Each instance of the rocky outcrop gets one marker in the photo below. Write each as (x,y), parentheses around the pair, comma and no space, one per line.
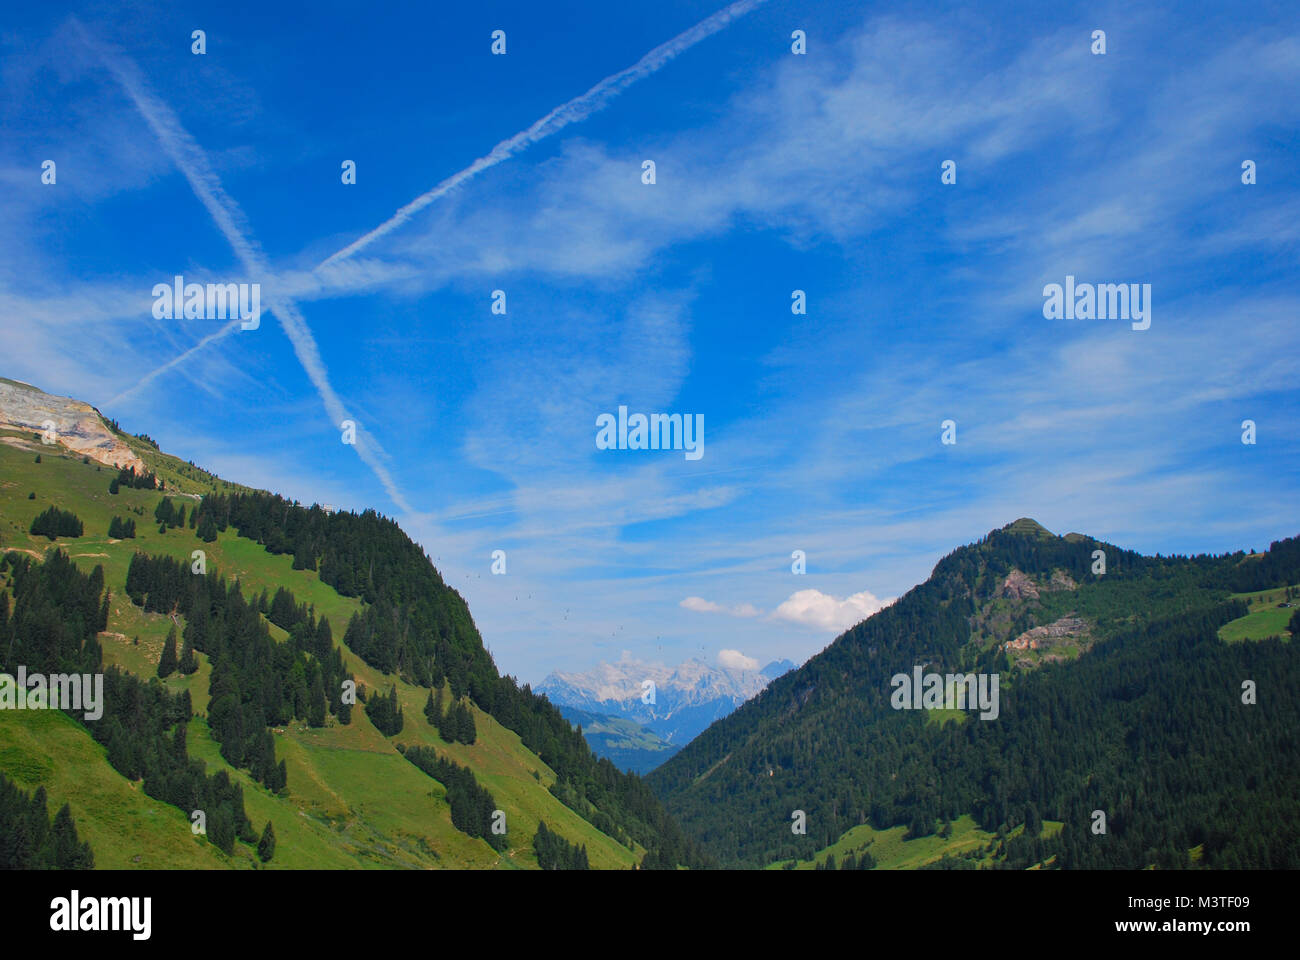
(1018,586)
(1061,581)
(1039,638)
(1021,586)
(76,426)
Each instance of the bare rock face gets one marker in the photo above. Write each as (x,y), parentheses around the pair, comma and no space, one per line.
(1061,581)
(1042,637)
(1018,586)
(76,426)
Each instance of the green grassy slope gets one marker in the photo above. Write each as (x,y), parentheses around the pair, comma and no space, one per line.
(353,800)
(1267,618)
(627,744)
(892,852)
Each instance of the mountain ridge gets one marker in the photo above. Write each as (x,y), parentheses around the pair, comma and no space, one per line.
(351,798)
(686,698)
(824,740)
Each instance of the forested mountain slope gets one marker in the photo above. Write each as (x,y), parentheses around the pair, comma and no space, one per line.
(1117,694)
(227,686)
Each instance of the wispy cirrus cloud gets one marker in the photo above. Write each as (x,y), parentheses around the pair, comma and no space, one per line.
(570,112)
(700,605)
(775,172)
(331,269)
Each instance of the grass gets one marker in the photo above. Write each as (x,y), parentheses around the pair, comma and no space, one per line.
(1266,618)
(892,852)
(353,800)
(125,828)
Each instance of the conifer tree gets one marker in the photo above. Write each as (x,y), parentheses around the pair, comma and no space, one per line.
(168,663)
(189,662)
(316,709)
(466,732)
(266,846)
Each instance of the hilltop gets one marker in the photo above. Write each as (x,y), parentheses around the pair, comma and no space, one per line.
(1122,690)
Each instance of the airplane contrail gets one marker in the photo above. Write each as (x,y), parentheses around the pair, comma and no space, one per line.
(229,328)
(193,163)
(572,111)
(575,110)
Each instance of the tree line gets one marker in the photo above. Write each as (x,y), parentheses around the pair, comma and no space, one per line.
(472,805)
(127,477)
(119,529)
(30,840)
(56,613)
(556,853)
(54,523)
(1148,725)
(417,626)
(256,683)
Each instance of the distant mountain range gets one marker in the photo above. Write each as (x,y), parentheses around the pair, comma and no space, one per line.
(686,699)
(628,745)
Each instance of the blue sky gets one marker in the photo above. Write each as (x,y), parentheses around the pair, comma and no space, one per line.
(774,172)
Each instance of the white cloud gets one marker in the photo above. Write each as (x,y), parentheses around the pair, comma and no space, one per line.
(735,660)
(817,609)
(700,605)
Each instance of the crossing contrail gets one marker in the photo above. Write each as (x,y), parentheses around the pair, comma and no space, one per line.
(193,163)
(150,377)
(573,111)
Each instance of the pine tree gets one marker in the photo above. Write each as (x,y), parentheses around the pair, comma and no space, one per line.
(1033,821)
(466,732)
(168,663)
(447,724)
(316,709)
(221,830)
(266,846)
(189,662)
(69,852)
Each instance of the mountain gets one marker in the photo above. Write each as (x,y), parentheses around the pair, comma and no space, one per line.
(628,745)
(265,663)
(778,668)
(1138,699)
(685,699)
(77,426)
